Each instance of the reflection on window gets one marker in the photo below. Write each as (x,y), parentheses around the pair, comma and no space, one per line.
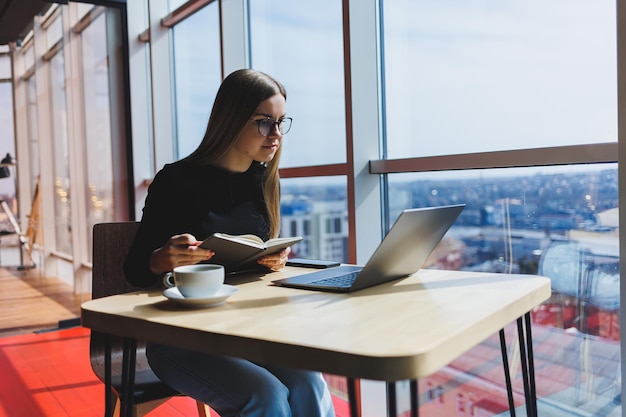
(302,48)
(560,222)
(98,159)
(317,210)
(197,75)
(482,76)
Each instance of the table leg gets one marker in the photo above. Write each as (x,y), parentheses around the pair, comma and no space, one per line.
(531,364)
(527,363)
(507,373)
(128,376)
(525,339)
(108,383)
(524,362)
(415,406)
(392,406)
(352,398)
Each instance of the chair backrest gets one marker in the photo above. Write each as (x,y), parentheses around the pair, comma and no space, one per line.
(111,243)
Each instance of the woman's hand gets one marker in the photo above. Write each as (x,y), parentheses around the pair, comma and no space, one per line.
(179,250)
(275,261)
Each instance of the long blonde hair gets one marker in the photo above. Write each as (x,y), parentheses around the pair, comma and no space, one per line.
(238,97)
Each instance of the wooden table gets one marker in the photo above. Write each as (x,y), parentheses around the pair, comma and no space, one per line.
(403,330)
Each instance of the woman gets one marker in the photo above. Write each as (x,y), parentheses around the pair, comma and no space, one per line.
(228,184)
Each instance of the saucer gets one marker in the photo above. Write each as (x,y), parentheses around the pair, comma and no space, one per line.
(215,300)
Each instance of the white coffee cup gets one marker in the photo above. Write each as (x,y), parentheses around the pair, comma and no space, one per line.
(196,281)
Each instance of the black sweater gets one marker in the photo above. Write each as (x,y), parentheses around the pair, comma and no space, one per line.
(200,200)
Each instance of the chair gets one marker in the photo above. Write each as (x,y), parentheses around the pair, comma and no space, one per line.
(111,242)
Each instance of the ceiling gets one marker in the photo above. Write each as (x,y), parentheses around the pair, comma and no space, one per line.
(16,17)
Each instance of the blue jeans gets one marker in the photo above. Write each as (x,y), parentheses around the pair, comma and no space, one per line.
(237,387)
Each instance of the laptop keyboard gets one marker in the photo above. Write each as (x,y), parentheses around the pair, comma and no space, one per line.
(338,281)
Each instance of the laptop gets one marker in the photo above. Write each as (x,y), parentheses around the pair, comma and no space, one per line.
(413,236)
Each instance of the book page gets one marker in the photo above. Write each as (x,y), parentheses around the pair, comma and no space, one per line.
(282,240)
(244,239)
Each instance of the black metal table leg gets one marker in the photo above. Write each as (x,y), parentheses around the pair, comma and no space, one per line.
(531,364)
(415,406)
(108,380)
(524,363)
(525,340)
(507,373)
(352,399)
(128,376)
(528,365)
(392,405)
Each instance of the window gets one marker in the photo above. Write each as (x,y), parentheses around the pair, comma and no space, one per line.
(302,47)
(29,56)
(502,76)
(33,140)
(54,32)
(7,139)
(62,195)
(197,75)
(486,76)
(99,195)
(5,67)
(7,134)
(560,222)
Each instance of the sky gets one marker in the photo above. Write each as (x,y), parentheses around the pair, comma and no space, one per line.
(460,76)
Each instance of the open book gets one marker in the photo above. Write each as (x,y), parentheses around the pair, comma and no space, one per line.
(236,252)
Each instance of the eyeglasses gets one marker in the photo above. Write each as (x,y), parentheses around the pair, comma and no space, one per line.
(266,126)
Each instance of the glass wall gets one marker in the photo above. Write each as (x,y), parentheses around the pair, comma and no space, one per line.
(560,222)
(313,75)
(489,76)
(492,75)
(197,75)
(7,184)
(71,133)
(33,142)
(314,207)
(61,166)
(99,198)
